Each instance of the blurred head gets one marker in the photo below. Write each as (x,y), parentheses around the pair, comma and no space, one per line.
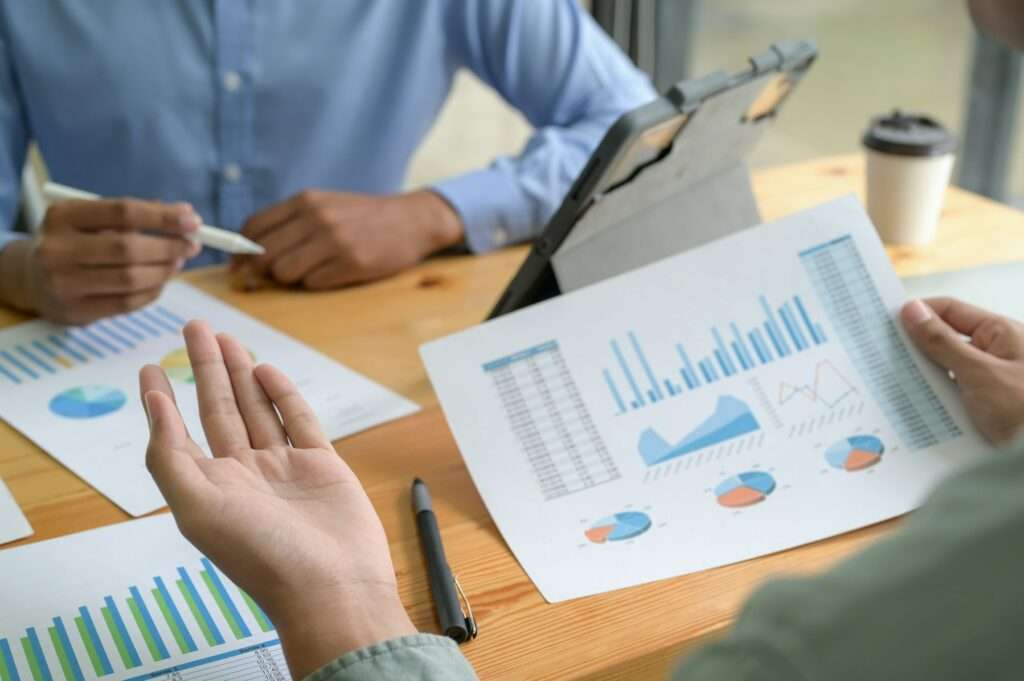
(1001,19)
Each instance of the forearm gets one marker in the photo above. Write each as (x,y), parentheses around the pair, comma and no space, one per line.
(15,282)
(315,633)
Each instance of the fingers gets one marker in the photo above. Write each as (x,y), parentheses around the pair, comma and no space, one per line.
(938,340)
(300,422)
(171,456)
(123,215)
(129,248)
(111,249)
(295,264)
(270,218)
(152,379)
(261,420)
(333,275)
(112,281)
(281,241)
(218,409)
(90,309)
(962,317)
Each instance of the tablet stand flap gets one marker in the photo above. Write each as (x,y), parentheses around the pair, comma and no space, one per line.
(699,192)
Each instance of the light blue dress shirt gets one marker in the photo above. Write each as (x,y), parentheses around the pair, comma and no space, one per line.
(234,105)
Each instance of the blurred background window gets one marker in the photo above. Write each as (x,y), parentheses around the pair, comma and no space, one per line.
(875,55)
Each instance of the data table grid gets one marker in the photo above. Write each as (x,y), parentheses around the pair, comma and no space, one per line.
(261,662)
(870,337)
(551,421)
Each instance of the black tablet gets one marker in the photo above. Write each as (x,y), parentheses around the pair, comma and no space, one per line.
(667,176)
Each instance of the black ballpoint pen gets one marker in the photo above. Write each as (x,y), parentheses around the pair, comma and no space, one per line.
(454,622)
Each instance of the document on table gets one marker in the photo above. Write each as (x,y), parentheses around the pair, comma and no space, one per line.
(13,524)
(143,604)
(745,397)
(74,391)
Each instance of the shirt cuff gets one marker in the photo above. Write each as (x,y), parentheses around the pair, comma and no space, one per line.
(421,656)
(9,236)
(494,210)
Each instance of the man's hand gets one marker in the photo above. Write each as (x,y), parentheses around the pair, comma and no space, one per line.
(325,240)
(276,508)
(94,259)
(988,368)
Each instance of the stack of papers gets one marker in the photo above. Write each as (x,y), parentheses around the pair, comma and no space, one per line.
(745,397)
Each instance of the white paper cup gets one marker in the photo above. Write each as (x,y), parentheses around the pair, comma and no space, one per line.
(909,164)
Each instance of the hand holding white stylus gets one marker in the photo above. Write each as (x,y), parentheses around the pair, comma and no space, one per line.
(214,237)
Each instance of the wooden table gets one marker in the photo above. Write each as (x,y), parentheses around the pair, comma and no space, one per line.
(376,329)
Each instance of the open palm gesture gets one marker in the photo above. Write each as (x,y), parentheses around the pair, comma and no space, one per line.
(275,508)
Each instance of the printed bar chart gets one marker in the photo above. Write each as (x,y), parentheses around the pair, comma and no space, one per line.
(202,616)
(67,348)
(633,383)
(118,632)
(8,672)
(224,602)
(172,616)
(65,653)
(869,336)
(144,621)
(257,612)
(79,651)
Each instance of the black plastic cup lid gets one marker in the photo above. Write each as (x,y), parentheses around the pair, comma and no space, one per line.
(908,134)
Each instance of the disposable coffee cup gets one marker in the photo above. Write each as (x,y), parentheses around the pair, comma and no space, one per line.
(909,163)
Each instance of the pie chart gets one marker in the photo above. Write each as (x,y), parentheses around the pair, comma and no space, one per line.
(619,527)
(855,453)
(177,366)
(745,489)
(87,402)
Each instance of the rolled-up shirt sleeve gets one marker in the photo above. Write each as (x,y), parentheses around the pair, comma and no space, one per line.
(13,136)
(423,657)
(550,60)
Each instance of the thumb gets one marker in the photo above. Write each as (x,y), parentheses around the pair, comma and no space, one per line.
(171,457)
(166,428)
(937,339)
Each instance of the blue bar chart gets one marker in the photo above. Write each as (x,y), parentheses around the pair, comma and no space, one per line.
(784,330)
(62,348)
(129,631)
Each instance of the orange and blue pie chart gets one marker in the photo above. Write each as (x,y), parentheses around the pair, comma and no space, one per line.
(855,453)
(87,402)
(745,489)
(619,527)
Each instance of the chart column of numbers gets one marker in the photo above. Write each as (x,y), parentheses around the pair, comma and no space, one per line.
(553,425)
(869,336)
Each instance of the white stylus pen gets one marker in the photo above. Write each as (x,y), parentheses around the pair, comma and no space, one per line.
(214,237)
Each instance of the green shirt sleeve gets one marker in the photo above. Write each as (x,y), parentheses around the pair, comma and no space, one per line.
(942,598)
(423,657)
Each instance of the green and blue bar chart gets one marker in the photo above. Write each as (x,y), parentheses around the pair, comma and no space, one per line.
(147,624)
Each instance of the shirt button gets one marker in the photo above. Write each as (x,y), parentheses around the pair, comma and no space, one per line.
(232,173)
(232,81)
(499,237)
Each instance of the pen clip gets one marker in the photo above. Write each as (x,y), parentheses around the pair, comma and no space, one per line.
(467,612)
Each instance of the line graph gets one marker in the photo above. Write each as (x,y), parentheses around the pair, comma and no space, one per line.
(829,387)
